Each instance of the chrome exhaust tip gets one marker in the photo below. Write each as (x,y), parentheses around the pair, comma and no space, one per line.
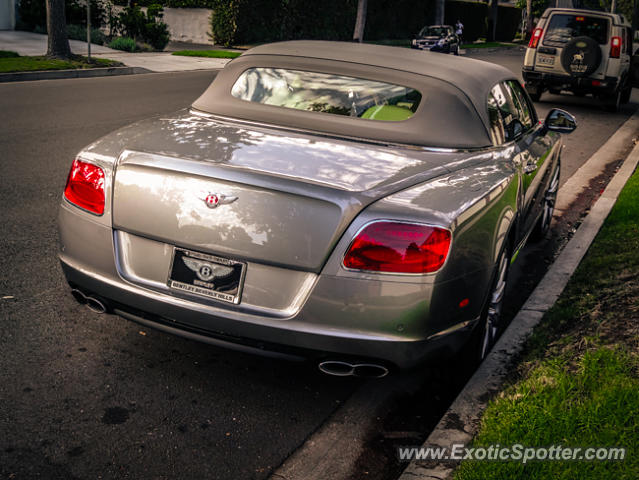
(92,302)
(339,368)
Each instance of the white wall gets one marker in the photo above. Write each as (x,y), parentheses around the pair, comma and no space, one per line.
(190,25)
(7,15)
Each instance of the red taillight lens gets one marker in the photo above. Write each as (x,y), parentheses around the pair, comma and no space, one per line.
(398,248)
(534,39)
(615,47)
(85,186)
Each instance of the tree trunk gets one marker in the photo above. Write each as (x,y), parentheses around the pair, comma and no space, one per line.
(439,12)
(58,42)
(492,32)
(360,22)
(529,19)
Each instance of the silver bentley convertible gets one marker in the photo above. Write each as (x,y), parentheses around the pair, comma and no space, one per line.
(353,204)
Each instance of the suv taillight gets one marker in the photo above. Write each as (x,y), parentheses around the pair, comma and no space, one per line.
(615,47)
(534,39)
(85,187)
(398,247)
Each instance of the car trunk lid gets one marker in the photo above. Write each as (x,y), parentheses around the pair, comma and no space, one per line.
(281,198)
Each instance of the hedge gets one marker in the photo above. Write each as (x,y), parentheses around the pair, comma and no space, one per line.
(253,21)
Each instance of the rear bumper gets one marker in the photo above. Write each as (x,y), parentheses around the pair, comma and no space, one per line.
(535,80)
(433,48)
(151,310)
(401,324)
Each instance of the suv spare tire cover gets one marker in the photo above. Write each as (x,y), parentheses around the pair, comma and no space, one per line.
(581,56)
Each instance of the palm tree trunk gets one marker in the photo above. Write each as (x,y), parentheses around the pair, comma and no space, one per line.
(494,8)
(439,12)
(58,42)
(360,22)
(529,19)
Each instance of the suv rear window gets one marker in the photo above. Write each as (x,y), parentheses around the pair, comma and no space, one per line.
(564,27)
(327,93)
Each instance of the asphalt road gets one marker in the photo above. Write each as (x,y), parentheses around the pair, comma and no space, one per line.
(87,396)
(84,396)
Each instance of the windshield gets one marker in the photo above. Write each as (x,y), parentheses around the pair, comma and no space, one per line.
(564,27)
(327,93)
(433,32)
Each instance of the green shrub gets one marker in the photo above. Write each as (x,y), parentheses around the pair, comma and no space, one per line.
(8,54)
(157,34)
(79,32)
(123,43)
(224,21)
(149,28)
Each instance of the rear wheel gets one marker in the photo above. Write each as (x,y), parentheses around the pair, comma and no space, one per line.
(550,197)
(612,101)
(492,322)
(626,92)
(490,325)
(535,96)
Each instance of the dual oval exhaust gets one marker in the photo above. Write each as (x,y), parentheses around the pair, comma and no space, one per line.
(340,368)
(92,302)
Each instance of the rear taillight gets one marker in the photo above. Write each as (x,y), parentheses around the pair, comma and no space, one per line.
(536,36)
(615,47)
(85,187)
(398,247)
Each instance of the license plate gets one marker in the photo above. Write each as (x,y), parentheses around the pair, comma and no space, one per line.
(545,60)
(206,275)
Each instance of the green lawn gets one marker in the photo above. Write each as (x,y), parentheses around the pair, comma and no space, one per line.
(578,383)
(13,63)
(208,53)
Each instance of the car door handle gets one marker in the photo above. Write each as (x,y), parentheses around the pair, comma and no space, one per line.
(530,167)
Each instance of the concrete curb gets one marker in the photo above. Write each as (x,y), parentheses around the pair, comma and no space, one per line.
(461,422)
(333,450)
(80,73)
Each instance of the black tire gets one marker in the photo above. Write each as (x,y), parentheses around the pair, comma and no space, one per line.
(612,102)
(491,323)
(626,92)
(550,197)
(581,56)
(535,97)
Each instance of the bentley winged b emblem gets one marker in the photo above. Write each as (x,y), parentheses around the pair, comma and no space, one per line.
(212,200)
(206,271)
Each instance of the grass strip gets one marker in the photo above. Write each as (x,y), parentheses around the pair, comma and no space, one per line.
(31,64)
(208,53)
(578,383)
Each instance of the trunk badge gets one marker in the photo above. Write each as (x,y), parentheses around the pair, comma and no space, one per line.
(212,200)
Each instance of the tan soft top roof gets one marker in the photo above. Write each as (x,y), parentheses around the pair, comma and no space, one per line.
(452,113)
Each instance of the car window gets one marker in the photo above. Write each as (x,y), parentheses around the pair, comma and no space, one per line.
(517,114)
(527,113)
(327,93)
(497,134)
(432,32)
(564,27)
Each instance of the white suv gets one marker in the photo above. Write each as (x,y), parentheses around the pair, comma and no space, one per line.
(582,51)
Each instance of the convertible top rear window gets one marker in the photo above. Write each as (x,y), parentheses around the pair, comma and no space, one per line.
(327,93)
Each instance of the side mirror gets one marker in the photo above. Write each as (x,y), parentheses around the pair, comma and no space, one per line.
(560,121)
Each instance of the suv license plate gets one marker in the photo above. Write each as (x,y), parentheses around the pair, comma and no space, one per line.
(206,275)
(545,60)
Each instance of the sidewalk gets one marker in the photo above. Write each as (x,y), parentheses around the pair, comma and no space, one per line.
(31,44)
